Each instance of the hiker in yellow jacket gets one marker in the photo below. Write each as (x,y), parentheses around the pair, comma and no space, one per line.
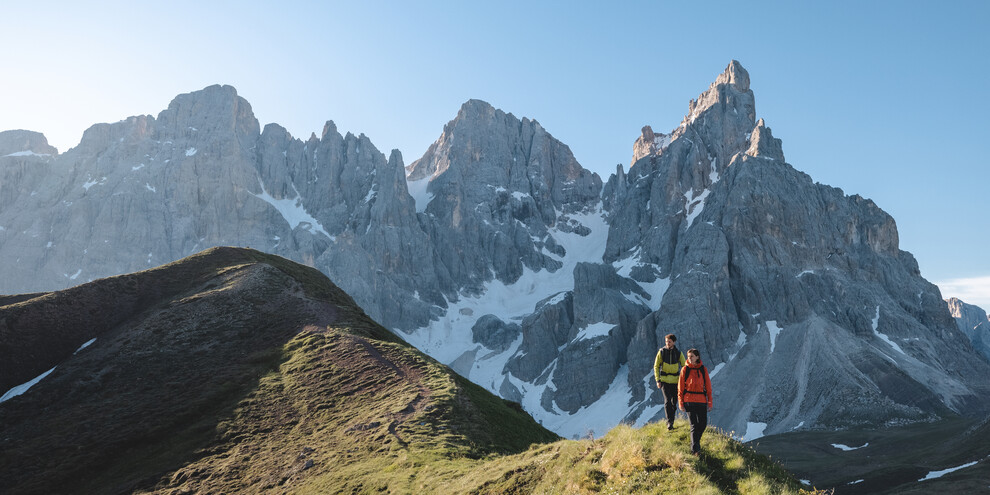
(667,369)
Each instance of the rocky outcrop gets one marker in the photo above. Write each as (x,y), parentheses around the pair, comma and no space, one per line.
(973,322)
(762,143)
(25,143)
(649,143)
(494,333)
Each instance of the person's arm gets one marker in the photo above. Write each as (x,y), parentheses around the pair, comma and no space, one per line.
(656,368)
(708,389)
(680,390)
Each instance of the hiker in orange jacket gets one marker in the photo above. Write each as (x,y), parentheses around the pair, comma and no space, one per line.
(694,396)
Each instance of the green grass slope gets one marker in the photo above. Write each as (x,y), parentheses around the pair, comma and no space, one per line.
(233,371)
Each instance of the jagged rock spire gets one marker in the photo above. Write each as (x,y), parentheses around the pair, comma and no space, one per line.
(762,143)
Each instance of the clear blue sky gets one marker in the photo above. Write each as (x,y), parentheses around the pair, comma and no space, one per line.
(886,99)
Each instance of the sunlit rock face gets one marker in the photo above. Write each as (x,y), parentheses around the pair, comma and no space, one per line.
(497,253)
(972,321)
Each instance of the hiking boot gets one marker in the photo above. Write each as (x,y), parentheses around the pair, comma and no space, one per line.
(670,427)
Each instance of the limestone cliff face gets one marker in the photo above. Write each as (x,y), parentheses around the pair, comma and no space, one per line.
(495,186)
(498,254)
(146,191)
(973,322)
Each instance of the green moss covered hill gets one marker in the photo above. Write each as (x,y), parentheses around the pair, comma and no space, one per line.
(234,371)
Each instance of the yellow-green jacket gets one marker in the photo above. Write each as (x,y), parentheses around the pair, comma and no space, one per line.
(668,371)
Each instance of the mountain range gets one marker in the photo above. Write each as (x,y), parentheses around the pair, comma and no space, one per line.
(498,254)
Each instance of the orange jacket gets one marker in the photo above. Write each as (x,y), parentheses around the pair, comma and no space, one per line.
(694,385)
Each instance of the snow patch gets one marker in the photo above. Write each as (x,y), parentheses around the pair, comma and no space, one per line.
(624,266)
(754,431)
(876,322)
(20,389)
(90,183)
(556,299)
(695,205)
(595,419)
(774,332)
(661,141)
(139,167)
(938,474)
(191,151)
(87,344)
(28,153)
(655,289)
(419,193)
(74,275)
(292,211)
(715,370)
(698,202)
(740,343)
(594,330)
(848,448)
(805,273)
(150,187)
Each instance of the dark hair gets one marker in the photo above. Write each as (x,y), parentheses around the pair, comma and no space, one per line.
(695,352)
(671,336)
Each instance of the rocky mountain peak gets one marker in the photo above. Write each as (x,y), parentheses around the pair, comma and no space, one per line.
(735,75)
(328,129)
(465,140)
(730,94)
(21,143)
(212,110)
(500,151)
(474,108)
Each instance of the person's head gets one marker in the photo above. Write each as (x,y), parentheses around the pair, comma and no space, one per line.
(693,356)
(670,339)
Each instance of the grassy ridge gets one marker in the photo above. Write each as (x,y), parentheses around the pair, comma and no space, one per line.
(348,414)
(629,460)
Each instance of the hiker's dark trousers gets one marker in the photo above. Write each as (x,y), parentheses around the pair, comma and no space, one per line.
(669,400)
(698,417)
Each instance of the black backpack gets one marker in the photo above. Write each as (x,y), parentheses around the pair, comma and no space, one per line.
(670,356)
